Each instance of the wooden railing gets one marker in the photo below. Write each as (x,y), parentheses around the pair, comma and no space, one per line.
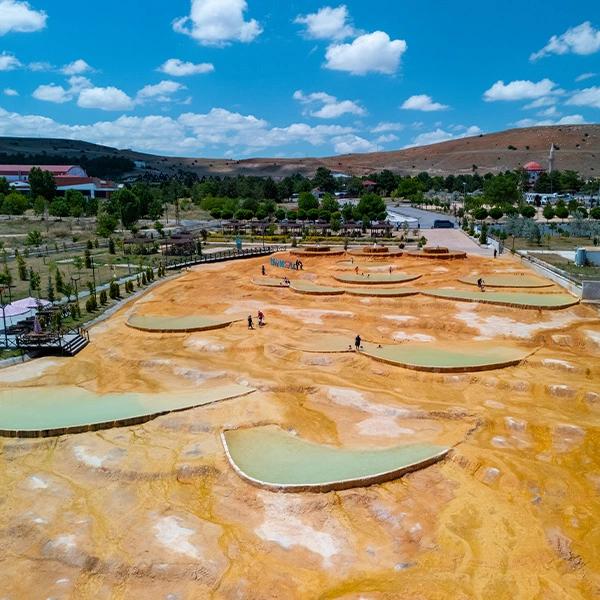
(198,259)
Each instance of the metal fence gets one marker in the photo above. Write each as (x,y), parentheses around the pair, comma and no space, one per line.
(198,259)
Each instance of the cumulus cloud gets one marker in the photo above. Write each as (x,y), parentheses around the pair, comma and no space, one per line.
(178,68)
(77,67)
(440,135)
(10,92)
(330,106)
(218,22)
(105,98)
(385,126)
(567,120)
(387,138)
(188,133)
(327,23)
(369,53)
(9,62)
(352,144)
(19,17)
(52,93)
(583,40)
(587,97)
(160,92)
(520,90)
(423,102)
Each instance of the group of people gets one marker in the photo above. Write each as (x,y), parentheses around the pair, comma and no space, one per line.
(481,284)
(261,320)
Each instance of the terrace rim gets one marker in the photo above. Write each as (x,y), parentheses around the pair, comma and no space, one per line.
(330,486)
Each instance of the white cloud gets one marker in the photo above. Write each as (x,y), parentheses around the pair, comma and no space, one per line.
(387,138)
(9,62)
(10,92)
(520,90)
(385,126)
(568,120)
(52,93)
(440,135)
(161,92)
(40,66)
(331,107)
(351,144)
(327,23)
(20,17)
(549,112)
(58,94)
(368,53)
(587,97)
(178,68)
(542,102)
(105,98)
(423,102)
(190,133)
(218,22)
(585,76)
(77,67)
(583,40)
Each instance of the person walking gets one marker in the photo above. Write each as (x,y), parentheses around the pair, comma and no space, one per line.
(481,284)
(264,271)
(250,322)
(357,343)
(261,318)
(495,253)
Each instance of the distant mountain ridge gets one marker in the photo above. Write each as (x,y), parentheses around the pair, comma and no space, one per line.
(578,148)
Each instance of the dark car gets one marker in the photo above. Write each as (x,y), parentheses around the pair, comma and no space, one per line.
(443,224)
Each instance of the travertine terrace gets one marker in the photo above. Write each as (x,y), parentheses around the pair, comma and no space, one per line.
(155,510)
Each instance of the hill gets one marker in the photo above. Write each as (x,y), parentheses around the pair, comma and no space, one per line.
(578,148)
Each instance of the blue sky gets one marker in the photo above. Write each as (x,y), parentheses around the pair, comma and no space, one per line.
(240,78)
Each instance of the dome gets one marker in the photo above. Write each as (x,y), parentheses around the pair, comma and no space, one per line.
(533,166)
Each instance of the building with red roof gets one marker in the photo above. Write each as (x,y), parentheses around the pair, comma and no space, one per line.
(533,170)
(66,177)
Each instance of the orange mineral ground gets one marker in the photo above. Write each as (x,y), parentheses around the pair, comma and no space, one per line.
(155,510)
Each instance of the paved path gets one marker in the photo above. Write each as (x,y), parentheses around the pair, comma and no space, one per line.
(455,239)
(424,217)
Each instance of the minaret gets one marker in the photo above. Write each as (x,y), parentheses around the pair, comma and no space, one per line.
(551,160)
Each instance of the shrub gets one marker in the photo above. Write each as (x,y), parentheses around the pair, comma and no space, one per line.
(91,304)
(113,291)
(103,297)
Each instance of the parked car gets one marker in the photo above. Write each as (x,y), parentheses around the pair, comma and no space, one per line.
(443,224)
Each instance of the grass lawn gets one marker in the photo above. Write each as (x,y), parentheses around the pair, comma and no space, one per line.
(580,273)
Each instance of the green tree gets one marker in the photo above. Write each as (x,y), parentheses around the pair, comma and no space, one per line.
(14,204)
(371,206)
(528,212)
(88,259)
(561,211)
(595,213)
(501,189)
(22,268)
(548,212)
(34,280)
(39,206)
(129,207)
(111,246)
(59,282)
(42,183)
(324,180)
(50,290)
(4,186)
(106,223)
(59,208)
(75,200)
(307,201)
(34,238)
(496,213)
(480,214)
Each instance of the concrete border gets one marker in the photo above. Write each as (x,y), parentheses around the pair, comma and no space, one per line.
(330,486)
(126,422)
(150,329)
